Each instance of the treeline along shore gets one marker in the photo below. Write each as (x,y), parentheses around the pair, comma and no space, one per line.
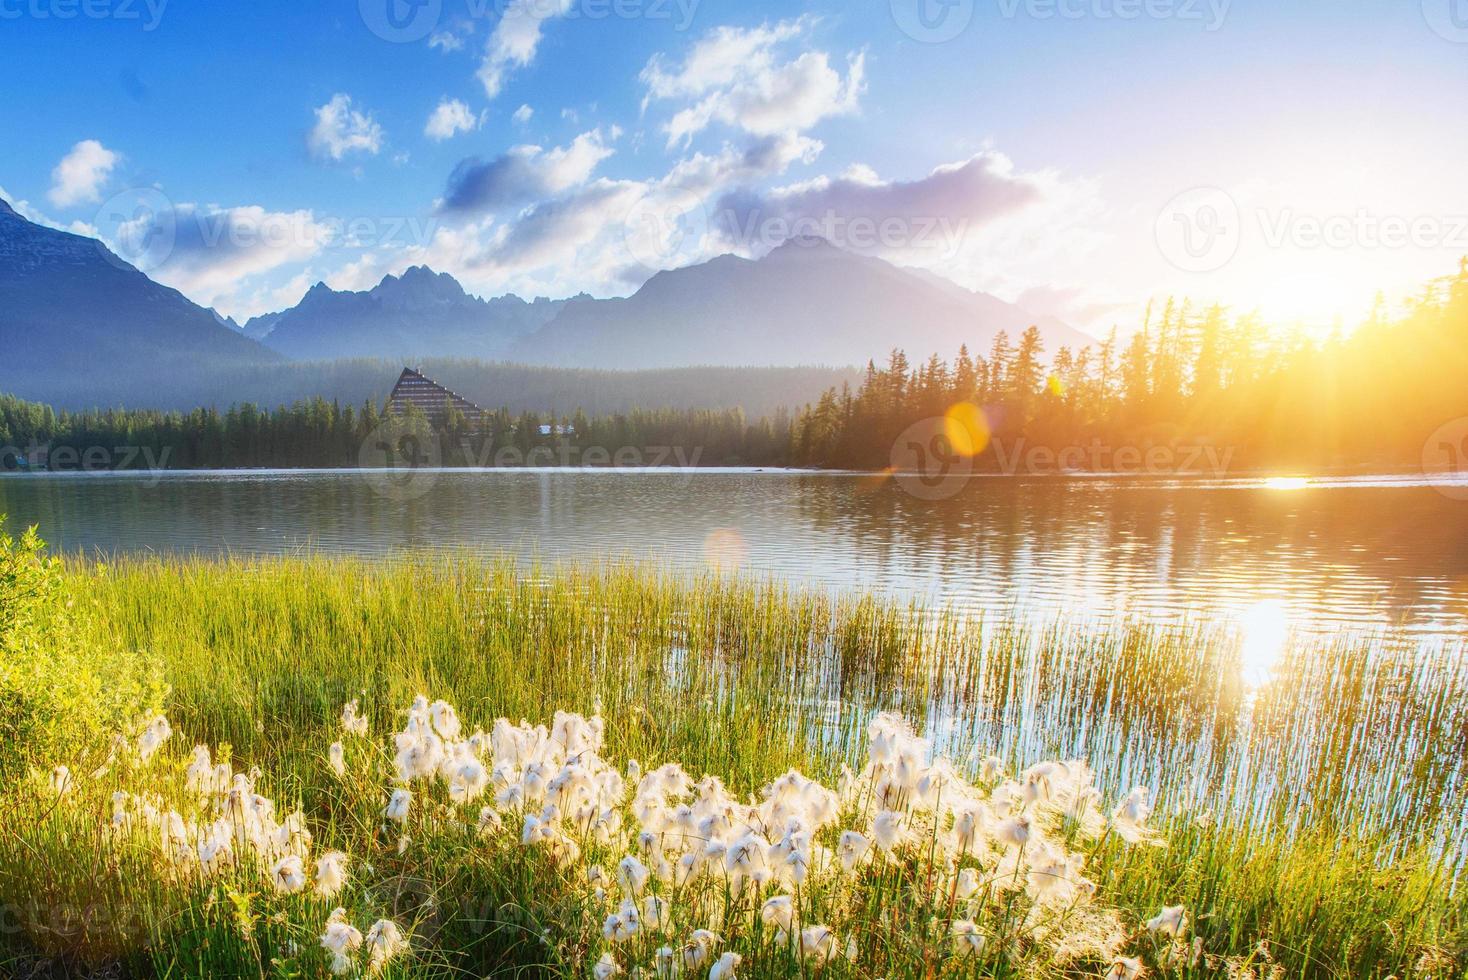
(1193,390)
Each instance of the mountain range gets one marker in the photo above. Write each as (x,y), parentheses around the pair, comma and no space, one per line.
(71,309)
(75,317)
(418,314)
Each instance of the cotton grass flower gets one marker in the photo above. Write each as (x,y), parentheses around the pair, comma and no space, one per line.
(967,939)
(779,912)
(336,757)
(852,848)
(398,805)
(605,967)
(725,967)
(331,874)
(1131,814)
(699,950)
(342,940)
(818,945)
(1125,968)
(384,942)
(154,735)
(62,781)
(288,875)
(1171,921)
(352,722)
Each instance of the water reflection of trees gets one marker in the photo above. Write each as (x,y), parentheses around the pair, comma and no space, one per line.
(1339,553)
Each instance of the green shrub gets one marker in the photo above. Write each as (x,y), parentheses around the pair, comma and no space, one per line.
(65,687)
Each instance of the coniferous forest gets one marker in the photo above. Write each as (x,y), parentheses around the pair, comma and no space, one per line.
(1259,396)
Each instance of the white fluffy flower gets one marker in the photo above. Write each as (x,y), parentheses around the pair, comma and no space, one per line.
(605,967)
(352,722)
(62,781)
(331,873)
(1171,921)
(288,874)
(336,757)
(384,941)
(153,737)
(397,806)
(725,967)
(340,935)
(817,945)
(967,940)
(1124,968)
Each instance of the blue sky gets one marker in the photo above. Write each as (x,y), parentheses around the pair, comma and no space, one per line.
(1079,155)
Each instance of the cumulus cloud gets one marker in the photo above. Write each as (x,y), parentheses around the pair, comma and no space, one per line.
(522,115)
(451,117)
(80,175)
(35,216)
(341,130)
(743,78)
(893,218)
(515,38)
(523,175)
(212,250)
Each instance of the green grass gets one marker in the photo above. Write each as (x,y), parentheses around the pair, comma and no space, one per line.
(1321,814)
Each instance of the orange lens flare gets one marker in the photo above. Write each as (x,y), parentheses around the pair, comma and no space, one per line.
(967,429)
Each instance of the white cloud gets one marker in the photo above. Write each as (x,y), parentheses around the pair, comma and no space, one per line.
(214,252)
(515,39)
(451,117)
(522,115)
(341,130)
(741,78)
(79,177)
(522,175)
(445,41)
(25,210)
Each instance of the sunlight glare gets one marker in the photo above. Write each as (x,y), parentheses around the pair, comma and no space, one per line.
(1264,629)
(1286,483)
(967,429)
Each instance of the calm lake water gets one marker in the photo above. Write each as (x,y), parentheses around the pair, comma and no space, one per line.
(1349,555)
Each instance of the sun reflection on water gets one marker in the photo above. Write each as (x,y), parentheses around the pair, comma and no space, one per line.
(1264,631)
(1286,483)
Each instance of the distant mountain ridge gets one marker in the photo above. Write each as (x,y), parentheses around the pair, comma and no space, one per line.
(71,310)
(421,313)
(806,303)
(80,326)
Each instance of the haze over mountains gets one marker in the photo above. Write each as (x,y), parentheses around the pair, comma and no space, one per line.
(78,325)
(70,310)
(418,314)
(807,302)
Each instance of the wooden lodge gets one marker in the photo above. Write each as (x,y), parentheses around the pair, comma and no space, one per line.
(431,398)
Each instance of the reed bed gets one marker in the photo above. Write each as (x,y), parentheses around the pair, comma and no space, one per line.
(1312,825)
